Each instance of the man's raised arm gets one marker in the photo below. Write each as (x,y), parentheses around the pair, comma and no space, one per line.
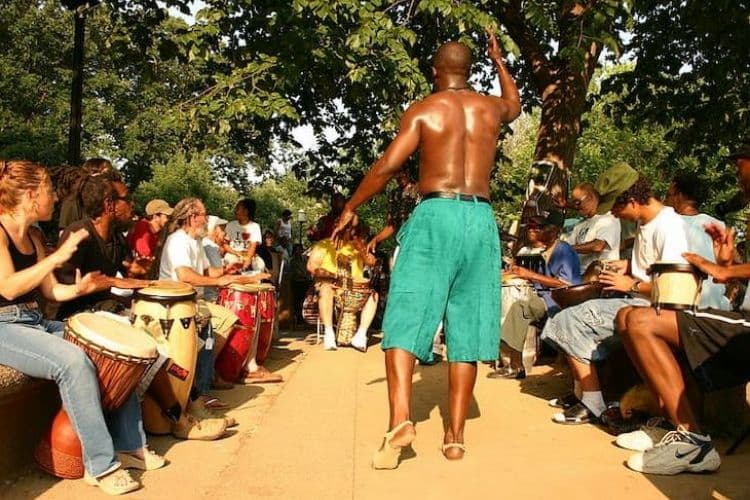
(510,99)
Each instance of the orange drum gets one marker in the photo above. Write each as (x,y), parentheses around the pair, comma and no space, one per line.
(242,300)
(121,355)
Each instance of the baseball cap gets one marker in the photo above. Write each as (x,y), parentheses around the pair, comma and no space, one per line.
(154,207)
(553,218)
(214,221)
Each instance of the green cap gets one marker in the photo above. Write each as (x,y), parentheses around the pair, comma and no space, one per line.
(612,183)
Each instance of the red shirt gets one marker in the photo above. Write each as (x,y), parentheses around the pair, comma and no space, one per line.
(142,240)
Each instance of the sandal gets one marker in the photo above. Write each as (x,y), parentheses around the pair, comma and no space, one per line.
(115,483)
(575,415)
(387,456)
(212,403)
(150,460)
(448,446)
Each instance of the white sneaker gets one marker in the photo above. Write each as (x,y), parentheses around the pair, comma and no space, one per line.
(646,437)
(329,343)
(679,451)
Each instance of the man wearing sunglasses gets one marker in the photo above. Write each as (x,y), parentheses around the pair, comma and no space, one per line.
(597,236)
(108,208)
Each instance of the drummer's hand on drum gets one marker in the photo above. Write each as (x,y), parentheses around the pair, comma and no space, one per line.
(68,247)
(519,271)
(617,266)
(717,272)
(723,240)
(92,282)
(616,281)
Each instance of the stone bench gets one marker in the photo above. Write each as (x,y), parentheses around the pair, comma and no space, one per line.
(26,409)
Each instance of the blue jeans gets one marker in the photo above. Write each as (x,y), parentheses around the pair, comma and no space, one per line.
(27,346)
(204,366)
(587,331)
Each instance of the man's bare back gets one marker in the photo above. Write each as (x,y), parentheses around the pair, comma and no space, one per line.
(458,138)
(456,132)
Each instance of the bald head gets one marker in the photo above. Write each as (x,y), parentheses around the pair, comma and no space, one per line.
(453,57)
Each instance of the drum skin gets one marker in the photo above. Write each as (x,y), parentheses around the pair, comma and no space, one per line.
(168,314)
(59,451)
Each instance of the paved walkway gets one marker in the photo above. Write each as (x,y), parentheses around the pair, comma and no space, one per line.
(312,438)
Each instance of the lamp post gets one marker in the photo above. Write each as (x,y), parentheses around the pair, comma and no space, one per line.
(79,8)
(301,219)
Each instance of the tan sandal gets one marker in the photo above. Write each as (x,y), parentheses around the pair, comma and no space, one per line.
(150,460)
(387,456)
(115,483)
(448,446)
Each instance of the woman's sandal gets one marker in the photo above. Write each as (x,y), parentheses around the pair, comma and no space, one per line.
(448,446)
(387,456)
(115,483)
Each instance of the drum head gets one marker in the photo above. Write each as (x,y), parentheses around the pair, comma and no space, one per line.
(172,291)
(113,335)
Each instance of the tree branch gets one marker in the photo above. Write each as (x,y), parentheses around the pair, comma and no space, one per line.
(520,32)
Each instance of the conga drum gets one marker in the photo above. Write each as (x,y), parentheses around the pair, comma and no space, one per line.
(167,311)
(267,321)
(353,296)
(121,355)
(242,300)
(675,286)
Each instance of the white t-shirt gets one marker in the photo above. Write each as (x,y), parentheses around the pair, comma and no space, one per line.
(701,243)
(182,250)
(240,236)
(285,229)
(604,227)
(663,239)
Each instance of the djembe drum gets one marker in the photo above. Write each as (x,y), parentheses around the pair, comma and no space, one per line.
(675,286)
(121,355)
(352,296)
(243,301)
(167,311)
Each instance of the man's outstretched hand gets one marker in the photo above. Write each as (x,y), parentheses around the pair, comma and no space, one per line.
(493,48)
(345,219)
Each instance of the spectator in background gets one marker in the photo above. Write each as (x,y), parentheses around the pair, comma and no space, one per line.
(144,237)
(213,244)
(685,195)
(284,231)
(597,236)
(323,228)
(243,235)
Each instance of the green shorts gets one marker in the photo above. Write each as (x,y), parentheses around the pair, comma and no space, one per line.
(448,268)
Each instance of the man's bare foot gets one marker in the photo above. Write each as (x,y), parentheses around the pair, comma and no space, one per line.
(453,448)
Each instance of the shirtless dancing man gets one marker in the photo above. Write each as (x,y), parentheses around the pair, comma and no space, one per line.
(448,266)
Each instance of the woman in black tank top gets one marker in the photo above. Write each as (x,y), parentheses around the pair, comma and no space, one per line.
(27,196)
